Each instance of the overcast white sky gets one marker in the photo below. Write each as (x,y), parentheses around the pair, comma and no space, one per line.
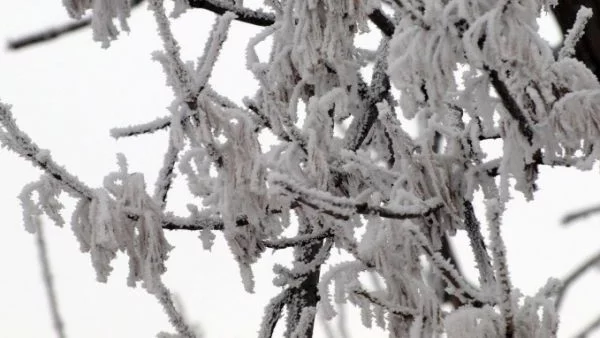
(67,95)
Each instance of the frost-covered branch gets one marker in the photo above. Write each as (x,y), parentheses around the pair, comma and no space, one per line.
(175,318)
(591,327)
(16,140)
(282,243)
(220,7)
(273,312)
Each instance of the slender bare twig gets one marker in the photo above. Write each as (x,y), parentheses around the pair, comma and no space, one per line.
(402,311)
(589,329)
(577,215)
(573,276)
(49,282)
(19,142)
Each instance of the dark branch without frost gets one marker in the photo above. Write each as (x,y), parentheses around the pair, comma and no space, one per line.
(573,276)
(48,34)
(52,33)
(577,215)
(49,282)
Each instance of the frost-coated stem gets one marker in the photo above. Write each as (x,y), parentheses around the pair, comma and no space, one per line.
(166,175)
(494,214)
(482,257)
(273,313)
(19,142)
(175,318)
(48,281)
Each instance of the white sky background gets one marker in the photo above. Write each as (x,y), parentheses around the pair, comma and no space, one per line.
(67,94)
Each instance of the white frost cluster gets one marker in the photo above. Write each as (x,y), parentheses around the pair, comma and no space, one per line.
(103,14)
(122,217)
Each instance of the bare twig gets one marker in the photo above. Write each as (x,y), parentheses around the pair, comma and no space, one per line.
(49,282)
(52,33)
(48,34)
(577,215)
(589,329)
(573,276)
(19,142)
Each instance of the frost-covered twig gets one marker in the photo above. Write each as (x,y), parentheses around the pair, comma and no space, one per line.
(510,104)
(48,281)
(258,18)
(343,208)
(482,257)
(166,174)
(575,33)
(19,142)
(273,313)
(48,34)
(574,276)
(461,287)
(282,243)
(402,311)
(494,210)
(370,95)
(175,318)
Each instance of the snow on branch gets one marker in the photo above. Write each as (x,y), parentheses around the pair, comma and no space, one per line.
(343,208)
(16,140)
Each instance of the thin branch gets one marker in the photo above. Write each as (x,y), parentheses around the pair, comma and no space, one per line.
(482,257)
(283,243)
(589,329)
(48,281)
(343,208)
(19,142)
(52,33)
(175,318)
(573,276)
(402,311)
(462,289)
(577,215)
(166,175)
(273,313)
(258,17)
